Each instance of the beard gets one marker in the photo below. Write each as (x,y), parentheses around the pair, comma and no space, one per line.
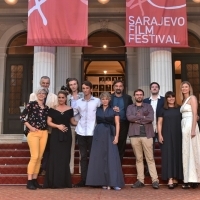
(139,100)
(118,91)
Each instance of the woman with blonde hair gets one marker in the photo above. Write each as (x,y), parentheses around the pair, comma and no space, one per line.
(104,165)
(190,137)
(34,118)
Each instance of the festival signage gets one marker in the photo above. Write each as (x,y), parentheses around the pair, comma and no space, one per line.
(156,23)
(57,23)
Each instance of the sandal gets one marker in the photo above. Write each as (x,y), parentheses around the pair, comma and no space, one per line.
(171,186)
(186,186)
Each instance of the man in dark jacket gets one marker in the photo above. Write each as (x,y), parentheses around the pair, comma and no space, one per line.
(120,102)
(157,102)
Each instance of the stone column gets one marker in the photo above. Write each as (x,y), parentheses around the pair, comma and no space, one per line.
(44,65)
(161,68)
(144,70)
(76,64)
(131,71)
(63,66)
(2,82)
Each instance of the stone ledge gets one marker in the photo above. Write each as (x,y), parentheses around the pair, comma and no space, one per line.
(11,138)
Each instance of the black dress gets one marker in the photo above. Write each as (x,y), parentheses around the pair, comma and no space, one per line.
(58,170)
(104,165)
(171,149)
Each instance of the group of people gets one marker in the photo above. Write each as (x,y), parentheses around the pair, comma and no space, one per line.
(101,125)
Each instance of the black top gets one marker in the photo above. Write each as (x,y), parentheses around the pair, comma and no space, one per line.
(35,116)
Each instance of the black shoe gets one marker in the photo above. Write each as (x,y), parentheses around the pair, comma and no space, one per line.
(186,186)
(175,184)
(155,185)
(137,184)
(30,185)
(171,186)
(194,185)
(80,184)
(36,184)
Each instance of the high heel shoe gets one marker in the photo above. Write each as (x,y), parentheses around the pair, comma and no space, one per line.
(186,186)
(171,186)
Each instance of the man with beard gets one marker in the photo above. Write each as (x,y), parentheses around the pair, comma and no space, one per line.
(141,133)
(120,102)
(157,102)
(74,95)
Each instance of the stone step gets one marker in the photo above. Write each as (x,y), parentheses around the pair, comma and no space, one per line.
(22,169)
(25,160)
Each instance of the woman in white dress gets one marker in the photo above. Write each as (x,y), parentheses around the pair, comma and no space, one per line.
(190,137)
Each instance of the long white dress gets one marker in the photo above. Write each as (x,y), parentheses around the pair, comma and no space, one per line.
(190,146)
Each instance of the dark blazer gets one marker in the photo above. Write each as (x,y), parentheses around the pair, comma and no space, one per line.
(127,100)
(160,104)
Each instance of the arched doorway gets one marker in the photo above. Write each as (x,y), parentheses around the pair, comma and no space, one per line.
(186,65)
(18,82)
(104,61)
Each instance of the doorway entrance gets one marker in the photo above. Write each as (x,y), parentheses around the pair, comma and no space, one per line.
(104,62)
(186,66)
(18,83)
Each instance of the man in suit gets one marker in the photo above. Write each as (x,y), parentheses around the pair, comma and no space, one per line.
(157,102)
(51,101)
(120,102)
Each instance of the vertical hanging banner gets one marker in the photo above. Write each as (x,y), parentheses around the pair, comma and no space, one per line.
(57,23)
(156,23)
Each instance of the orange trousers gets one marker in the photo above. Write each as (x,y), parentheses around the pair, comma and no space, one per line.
(37,142)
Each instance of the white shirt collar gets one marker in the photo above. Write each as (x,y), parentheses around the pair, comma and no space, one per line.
(154,99)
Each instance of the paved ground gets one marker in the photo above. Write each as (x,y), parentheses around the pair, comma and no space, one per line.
(146,193)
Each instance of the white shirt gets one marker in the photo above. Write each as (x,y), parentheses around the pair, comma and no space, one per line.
(87,110)
(154,103)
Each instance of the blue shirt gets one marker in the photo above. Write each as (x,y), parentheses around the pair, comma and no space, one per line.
(119,102)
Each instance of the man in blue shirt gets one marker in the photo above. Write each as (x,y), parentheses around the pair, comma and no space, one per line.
(120,102)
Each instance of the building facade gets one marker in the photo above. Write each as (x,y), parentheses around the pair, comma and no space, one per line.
(108,59)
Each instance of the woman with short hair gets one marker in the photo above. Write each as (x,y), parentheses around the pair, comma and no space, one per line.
(34,118)
(104,165)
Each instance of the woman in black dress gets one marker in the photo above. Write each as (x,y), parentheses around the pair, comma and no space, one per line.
(170,137)
(58,170)
(104,165)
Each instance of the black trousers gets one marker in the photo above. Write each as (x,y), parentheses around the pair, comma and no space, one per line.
(46,153)
(84,144)
(124,126)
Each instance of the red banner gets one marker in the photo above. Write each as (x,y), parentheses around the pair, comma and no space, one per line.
(57,23)
(156,23)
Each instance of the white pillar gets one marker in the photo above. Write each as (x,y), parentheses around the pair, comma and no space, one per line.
(2,82)
(161,68)
(76,64)
(144,70)
(63,66)
(131,71)
(44,65)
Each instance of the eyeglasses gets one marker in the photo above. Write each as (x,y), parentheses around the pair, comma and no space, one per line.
(42,93)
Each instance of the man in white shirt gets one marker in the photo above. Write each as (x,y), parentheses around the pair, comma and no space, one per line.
(51,101)
(86,107)
(157,102)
